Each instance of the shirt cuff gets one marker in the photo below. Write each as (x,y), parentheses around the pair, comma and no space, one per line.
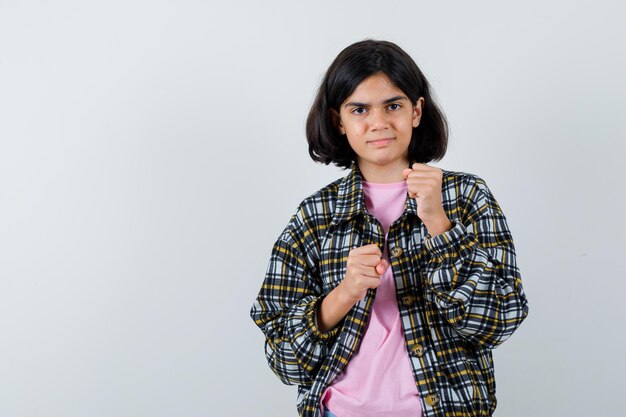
(451,242)
(311,315)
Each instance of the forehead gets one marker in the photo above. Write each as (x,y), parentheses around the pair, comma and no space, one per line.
(377,87)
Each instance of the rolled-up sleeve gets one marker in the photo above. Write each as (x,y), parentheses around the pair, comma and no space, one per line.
(474,280)
(285,310)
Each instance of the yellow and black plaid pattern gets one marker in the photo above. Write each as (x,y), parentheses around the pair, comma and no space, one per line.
(459,293)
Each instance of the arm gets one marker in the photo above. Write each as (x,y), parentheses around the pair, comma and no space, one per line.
(474,281)
(285,310)
(333,309)
(364,268)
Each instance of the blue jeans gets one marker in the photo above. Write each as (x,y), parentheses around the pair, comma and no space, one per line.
(329,414)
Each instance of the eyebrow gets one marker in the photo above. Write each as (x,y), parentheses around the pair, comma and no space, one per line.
(389,100)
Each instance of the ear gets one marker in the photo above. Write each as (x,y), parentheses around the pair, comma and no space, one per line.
(417,111)
(337,121)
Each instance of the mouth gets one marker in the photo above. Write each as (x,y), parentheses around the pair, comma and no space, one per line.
(380,142)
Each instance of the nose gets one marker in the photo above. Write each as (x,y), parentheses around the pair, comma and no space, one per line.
(378,119)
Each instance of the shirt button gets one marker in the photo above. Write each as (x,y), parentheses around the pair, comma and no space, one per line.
(417,350)
(407,300)
(432,399)
(396,251)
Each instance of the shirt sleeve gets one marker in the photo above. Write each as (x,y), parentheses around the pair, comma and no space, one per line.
(285,310)
(475,281)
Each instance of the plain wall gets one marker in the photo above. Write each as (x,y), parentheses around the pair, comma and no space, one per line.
(152,151)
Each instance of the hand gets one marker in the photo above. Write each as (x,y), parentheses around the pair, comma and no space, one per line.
(424,185)
(364,268)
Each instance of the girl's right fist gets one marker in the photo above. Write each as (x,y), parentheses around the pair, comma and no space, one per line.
(364,268)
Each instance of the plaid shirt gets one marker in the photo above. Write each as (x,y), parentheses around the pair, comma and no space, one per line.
(459,293)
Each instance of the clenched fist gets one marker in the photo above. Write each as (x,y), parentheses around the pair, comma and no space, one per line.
(364,268)
(424,185)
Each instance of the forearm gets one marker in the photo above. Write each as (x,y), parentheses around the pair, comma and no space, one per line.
(485,302)
(333,309)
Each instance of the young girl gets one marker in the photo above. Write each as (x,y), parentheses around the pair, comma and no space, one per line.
(388,288)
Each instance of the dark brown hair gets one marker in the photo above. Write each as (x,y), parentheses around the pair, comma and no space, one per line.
(355,63)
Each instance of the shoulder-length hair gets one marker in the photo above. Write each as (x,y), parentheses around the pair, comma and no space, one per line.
(355,63)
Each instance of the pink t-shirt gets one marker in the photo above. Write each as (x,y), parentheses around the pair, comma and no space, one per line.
(378,380)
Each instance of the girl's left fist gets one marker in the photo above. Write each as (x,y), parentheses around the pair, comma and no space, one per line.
(424,185)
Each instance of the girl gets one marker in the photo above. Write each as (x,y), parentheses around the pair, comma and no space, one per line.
(388,288)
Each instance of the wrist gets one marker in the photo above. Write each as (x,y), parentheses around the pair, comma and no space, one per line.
(343,297)
(333,309)
(438,226)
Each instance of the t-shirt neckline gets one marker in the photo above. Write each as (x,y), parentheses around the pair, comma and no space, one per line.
(388,185)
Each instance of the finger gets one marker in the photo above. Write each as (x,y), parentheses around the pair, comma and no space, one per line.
(420,186)
(406,172)
(433,175)
(422,179)
(371,249)
(367,260)
(420,167)
(384,263)
(366,271)
(363,260)
(382,267)
(416,176)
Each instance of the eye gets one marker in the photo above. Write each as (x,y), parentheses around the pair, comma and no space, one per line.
(394,106)
(358,110)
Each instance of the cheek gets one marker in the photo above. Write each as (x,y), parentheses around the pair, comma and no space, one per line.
(407,125)
(353,142)
(354,130)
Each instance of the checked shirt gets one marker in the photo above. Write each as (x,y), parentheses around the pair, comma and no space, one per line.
(459,293)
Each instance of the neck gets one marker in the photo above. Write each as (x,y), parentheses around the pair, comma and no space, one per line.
(387,173)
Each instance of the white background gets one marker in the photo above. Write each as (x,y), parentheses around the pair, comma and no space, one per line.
(152,151)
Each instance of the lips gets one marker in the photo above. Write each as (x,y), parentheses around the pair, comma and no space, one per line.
(382,141)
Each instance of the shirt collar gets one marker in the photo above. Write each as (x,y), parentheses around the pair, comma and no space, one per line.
(351,198)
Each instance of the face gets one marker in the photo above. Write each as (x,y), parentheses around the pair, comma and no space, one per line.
(378,121)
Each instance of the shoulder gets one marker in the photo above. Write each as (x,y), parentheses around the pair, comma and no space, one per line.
(460,177)
(320,199)
(469,193)
(463,182)
(313,213)
(465,190)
